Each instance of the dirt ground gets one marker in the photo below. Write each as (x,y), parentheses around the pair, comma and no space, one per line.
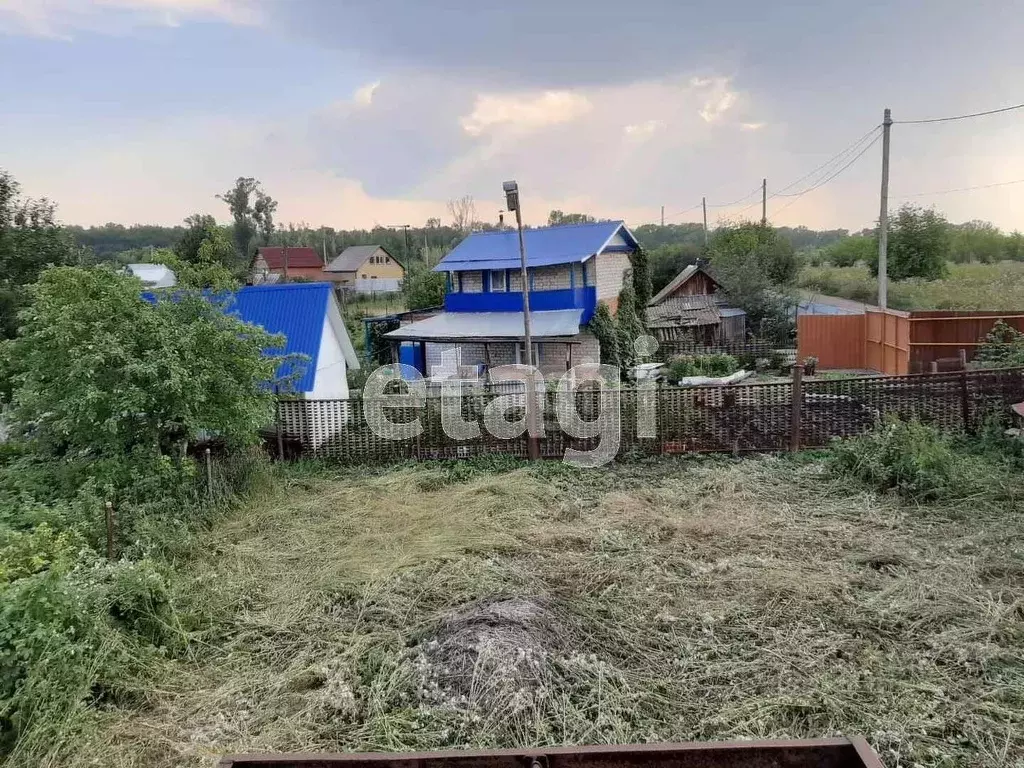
(445,606)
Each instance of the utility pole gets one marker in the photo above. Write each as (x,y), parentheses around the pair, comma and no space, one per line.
(704,204)
(512,203)
(883,216)
(284,259)
(663,215)
(764,202)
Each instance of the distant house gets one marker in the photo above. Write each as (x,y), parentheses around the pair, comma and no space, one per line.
(308,316)
(366,269)
(153,275)
(570,269)
(274,265)
(694,308)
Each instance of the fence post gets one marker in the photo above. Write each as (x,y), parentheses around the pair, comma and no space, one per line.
(209,475)
(280,436)
(963,359)
(934,368)
(965,402)
(109,512)
(798,399)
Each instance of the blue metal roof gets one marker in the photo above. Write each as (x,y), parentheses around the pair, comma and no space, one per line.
(545,246)
(295,310)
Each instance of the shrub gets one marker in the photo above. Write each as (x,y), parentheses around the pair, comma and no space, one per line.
(715,365)
(1003,347)
(911,459)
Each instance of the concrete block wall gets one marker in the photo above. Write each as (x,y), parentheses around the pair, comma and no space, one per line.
(611,272)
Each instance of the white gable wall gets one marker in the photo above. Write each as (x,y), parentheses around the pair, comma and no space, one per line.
(331,382)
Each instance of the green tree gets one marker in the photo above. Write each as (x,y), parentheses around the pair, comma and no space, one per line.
(243,199)
(198,228)
(263,211)
(603,326)
(667,261)
(423,288)
(100,372)
(629,325)
(847,251)
(31,239)
(977,241)
(556,218)
(919,244)
(757,268)
(640,264)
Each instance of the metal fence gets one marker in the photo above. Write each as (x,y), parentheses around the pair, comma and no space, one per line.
(741,418)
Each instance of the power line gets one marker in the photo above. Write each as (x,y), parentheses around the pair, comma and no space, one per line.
(827,163)
(691,208)
(963,189)
(735,202)
(960,117)
(834,175)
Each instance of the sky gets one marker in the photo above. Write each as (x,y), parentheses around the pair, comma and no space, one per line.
(355,113)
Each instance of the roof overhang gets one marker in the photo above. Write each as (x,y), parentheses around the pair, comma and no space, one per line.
(490,326)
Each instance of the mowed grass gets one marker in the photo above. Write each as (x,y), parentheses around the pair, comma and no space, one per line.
(443,607)
(967,286)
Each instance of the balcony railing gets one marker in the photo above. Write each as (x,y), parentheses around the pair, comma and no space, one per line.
(540,301)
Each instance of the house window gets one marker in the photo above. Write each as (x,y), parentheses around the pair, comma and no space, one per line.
(364,275)
(499,280)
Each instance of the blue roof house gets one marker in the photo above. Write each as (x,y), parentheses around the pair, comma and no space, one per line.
(308,316)
(570,269)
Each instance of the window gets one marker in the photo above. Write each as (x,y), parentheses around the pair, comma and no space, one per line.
(499,280)
(364,275)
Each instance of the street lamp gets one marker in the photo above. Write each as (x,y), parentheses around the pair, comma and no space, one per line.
(511,189)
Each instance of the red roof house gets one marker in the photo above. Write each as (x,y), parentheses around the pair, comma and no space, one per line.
(299,261)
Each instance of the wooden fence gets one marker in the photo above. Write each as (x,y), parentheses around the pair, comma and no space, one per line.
(897,343)
(752,348)
(875,340)
(751,418)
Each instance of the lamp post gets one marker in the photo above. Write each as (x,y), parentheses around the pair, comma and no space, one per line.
(512,203)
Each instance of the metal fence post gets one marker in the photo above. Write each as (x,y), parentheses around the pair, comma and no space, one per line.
(109,512)
(798,400)
(965,402)
(209,475)
(280,436)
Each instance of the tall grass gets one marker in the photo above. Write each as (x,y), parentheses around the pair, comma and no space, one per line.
(967,286)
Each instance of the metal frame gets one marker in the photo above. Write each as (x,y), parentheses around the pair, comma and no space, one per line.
(816,753)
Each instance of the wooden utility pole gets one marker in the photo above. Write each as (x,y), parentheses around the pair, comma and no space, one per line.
(663,215)
(284,260)
(764,202)
(704,205)
(883,216)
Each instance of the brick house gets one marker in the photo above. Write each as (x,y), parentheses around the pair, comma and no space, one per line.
(282,264)
(570,269)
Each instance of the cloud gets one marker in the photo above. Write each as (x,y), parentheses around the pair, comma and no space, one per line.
(524,112)
(644,130)
(364,95)
(720,99)
(61,18)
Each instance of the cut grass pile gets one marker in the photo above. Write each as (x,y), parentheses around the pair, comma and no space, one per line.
(437,606)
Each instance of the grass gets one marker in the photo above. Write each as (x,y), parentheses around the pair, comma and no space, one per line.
(968,286)
(447,606)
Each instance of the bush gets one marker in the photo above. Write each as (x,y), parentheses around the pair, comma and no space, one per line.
(1003,347)
(716,365)
(911,459)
